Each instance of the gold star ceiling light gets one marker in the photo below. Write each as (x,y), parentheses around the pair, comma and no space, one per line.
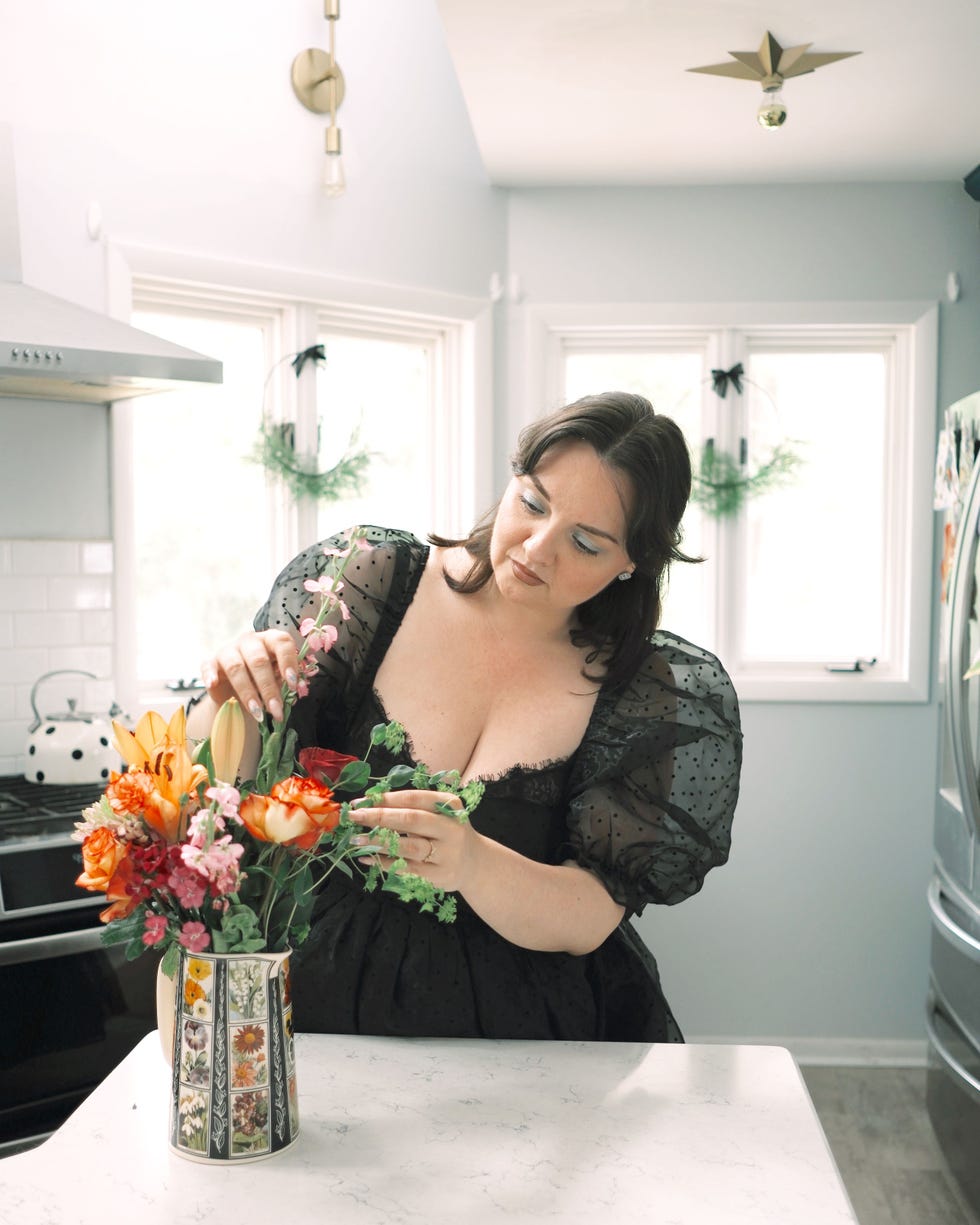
(770,66)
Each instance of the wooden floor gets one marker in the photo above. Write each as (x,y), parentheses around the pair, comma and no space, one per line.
(876,1122)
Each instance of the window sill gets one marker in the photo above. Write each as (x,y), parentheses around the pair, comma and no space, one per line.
(813,687)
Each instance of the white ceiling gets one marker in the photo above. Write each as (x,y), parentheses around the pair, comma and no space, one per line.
(580,92)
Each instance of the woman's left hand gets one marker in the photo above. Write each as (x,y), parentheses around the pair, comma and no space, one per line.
(434,845)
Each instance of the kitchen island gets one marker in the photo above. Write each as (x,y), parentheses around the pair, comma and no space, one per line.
(404,1131)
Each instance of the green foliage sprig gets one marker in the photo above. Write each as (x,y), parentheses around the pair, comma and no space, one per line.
(274,450)
(721,485)
(356,776)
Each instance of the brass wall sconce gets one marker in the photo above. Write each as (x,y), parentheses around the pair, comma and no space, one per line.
(770,66)
(319,84)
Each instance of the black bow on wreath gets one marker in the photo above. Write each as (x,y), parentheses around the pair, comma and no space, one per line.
(315,353)
(721,378)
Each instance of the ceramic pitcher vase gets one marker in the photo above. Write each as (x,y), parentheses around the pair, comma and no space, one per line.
(233,1064)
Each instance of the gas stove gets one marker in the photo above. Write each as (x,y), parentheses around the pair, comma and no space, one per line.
(71,1007)
(33,810)
(39,858)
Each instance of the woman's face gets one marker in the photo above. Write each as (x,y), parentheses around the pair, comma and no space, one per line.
(559,535)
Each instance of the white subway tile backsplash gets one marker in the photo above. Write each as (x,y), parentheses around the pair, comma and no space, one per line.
(19,666)
(23,594)
(100,697)
(55,614)
(12,738)
(97,627)
(96,557)
(47,629)
(97,660)
(84,591)
(44,557)
(22,701)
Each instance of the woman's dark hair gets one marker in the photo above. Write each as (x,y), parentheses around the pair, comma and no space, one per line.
(650,451)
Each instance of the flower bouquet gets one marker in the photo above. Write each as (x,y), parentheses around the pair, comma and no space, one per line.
(190,858)
(219,875)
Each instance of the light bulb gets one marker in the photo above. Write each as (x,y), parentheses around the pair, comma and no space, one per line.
(772,111)
(334,183)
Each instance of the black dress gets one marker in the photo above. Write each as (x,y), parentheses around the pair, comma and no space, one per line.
(645,803)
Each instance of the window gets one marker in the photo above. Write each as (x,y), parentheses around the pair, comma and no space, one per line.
(200,511)
(668,372)
(201,529)
(832,568)
(375,393)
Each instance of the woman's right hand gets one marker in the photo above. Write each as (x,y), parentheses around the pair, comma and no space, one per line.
(253,668)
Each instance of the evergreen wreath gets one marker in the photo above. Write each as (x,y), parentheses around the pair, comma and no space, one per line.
(275,449)
(721,484)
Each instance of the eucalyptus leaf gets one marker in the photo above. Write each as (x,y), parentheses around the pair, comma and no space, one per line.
(355,776)
(398,776)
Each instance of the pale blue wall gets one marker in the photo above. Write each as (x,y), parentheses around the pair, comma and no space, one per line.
(867,241)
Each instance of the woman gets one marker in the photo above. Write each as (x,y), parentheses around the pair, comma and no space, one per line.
(525,656)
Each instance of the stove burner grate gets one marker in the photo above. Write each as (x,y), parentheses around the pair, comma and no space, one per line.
(20,799)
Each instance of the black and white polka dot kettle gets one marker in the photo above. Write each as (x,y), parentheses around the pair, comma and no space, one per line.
(72,746)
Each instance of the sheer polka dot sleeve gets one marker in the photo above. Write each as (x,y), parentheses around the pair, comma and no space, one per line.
(656,779)
(378,583)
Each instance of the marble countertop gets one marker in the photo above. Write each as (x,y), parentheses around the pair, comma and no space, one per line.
(404,1131)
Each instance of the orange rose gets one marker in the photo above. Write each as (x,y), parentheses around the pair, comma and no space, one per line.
(296,813)
(102,852)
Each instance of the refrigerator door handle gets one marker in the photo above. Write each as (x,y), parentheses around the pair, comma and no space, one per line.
(961,940)
(957,658)
(950,1059)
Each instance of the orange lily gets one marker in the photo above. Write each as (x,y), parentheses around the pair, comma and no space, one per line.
(138,747)
(159,749)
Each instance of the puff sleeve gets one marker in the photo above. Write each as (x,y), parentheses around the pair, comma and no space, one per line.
(656,779)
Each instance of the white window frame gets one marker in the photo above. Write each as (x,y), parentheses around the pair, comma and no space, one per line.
(907,333)
(293,305)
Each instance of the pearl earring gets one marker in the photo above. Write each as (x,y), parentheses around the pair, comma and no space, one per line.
(627,574)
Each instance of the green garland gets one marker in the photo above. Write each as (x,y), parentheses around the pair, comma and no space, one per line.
(721,486)
(274,450)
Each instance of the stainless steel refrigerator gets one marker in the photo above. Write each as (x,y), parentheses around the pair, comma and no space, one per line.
(953,1009)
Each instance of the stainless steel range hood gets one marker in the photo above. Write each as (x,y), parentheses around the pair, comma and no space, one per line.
(54,350)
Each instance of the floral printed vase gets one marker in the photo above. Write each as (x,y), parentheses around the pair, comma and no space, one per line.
(233,1072)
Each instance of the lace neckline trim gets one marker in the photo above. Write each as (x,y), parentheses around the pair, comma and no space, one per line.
(518,770)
